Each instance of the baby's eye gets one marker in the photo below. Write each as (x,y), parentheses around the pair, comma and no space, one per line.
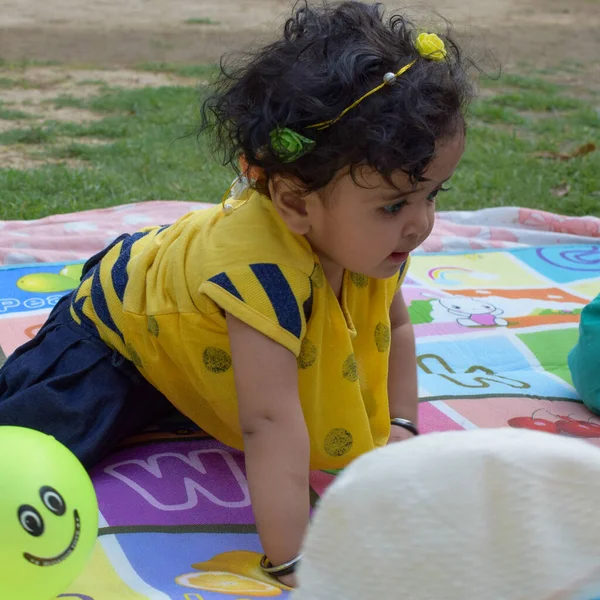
(433,194)
(393,209)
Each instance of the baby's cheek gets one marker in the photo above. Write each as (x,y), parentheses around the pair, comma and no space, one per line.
(431,220)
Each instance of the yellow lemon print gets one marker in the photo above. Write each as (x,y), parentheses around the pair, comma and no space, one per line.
(239,562)
(236,572)
(216,360)
(308,354)
(46,283)
(318,277)
(382,337)
(359,280)
(73,271)
(338,442)
(227,583)
(349,369)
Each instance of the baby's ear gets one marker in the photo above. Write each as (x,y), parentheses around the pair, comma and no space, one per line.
(289,196)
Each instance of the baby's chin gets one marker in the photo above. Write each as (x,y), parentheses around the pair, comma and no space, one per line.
(384,271)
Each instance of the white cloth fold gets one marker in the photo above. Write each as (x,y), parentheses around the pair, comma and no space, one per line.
(498,514)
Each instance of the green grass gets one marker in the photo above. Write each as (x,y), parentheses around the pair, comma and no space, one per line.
(521,82)
(488,112)
(500,168)
(534,101)
(99,82)
(110,128)
(32,135)
(22,64)
(76,151)
(67,102)
(200,21)
(7,83)
(151,151)
(12,115)
(203,72)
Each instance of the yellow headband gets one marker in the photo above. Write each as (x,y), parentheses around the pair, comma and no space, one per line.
(428,45)
(388,78)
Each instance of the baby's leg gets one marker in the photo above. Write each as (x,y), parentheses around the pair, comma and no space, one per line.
(68,383)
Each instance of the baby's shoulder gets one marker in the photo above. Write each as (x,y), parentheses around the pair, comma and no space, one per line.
(254,239)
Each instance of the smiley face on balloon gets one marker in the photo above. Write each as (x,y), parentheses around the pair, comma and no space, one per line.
(48,515)
(33,523)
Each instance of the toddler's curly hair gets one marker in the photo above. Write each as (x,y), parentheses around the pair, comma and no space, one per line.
(329,56)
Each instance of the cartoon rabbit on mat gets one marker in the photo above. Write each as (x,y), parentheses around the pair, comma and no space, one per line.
(473,313)
(470,312)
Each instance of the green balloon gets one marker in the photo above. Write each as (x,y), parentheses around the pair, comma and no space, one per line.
(46,283)
(72,271)
(48,515)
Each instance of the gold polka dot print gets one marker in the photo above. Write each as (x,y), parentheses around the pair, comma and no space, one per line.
(382,337)
(349,369)
(308,354)
(153,326)
(318,277)
(359,280)
(216,360)
(134,357)
(338,442)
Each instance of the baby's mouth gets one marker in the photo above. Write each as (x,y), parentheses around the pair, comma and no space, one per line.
(50,562)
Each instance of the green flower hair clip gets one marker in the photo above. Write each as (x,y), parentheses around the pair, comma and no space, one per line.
(288,145)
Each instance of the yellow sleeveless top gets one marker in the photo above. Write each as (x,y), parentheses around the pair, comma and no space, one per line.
(160,296)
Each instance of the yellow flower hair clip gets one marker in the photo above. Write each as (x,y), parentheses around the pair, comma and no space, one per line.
(431,46)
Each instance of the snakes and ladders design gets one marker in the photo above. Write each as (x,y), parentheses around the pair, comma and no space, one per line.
(494,327)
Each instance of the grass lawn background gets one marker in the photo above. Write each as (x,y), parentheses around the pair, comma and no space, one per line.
(145,146)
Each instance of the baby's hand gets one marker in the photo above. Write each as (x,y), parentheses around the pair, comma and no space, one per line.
(399,434)
(289,580)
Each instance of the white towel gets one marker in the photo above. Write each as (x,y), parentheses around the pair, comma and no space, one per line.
(498,514)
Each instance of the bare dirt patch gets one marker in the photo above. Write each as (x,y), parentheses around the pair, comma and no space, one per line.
(36,89)
(23,157)
(37,84)
(113,32)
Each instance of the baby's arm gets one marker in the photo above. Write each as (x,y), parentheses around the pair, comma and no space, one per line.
(402,378)
(275,439)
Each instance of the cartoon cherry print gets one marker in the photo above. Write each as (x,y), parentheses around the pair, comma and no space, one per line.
(534,423)
(583,429)
(566,418)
